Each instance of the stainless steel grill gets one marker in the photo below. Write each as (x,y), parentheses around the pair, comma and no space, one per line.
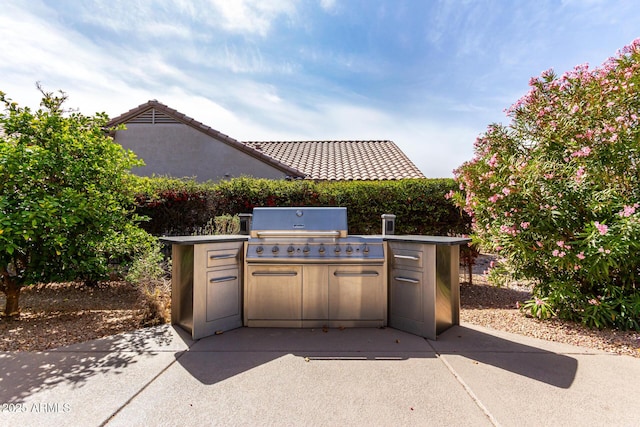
(308,235)
(303,270)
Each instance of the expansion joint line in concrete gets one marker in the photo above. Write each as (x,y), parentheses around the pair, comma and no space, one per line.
(466,388)
(143,388)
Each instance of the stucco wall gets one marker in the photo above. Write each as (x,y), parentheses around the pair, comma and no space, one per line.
(178,150)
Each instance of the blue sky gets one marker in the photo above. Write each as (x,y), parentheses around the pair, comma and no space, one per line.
(429,75)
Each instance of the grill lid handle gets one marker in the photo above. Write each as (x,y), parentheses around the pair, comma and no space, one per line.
(284,233)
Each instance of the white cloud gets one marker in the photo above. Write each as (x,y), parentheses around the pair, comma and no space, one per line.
(252,16)
(328,5)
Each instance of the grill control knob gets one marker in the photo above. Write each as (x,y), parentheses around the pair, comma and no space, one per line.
(275,249)
(365,249)
(349,249)
(290,249)
(321,249)
(306,249)
(259,249)
(337,249)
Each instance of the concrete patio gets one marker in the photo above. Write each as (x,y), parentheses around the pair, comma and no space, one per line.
(303,377)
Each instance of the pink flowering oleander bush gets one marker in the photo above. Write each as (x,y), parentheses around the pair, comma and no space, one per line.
(556,192)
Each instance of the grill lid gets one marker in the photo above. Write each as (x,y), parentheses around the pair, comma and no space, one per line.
(299,221)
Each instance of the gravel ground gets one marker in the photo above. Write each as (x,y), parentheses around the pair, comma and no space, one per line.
(495,308)
(56,315)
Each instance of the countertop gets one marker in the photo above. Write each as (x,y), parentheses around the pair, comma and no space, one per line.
(194,240)
(434,240)
(410,238)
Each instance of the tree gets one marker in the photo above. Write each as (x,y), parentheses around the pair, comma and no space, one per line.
(64,191)
(556,192)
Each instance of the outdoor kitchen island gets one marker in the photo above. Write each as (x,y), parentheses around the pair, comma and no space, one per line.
(406,282)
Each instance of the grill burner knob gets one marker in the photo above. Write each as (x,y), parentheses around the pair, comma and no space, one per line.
(275,249)
(321,249)
(259,249)
(365,249)
(306,249)
(337,249)
(290,249)
(349,249)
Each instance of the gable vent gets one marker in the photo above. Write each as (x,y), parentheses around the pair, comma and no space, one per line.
(152,117)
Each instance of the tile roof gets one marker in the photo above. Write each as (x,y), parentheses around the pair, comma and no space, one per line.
(318,160)
(342,160)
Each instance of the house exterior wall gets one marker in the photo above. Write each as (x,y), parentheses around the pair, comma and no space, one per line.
(179,150)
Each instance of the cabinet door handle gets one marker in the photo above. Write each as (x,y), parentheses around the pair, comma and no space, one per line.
(356,273)
(223,279)
(406,279)
(410,257)
(275,273)
(226,256)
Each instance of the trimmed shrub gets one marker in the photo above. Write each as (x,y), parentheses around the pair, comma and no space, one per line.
(176,206)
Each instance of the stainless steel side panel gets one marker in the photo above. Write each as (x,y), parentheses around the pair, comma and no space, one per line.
(447,287)
(182,286)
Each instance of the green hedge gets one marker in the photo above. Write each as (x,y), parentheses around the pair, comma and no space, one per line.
(179,206)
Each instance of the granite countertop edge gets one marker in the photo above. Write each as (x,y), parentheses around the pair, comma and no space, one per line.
(410,238)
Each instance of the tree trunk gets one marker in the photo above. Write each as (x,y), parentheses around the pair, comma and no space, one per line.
(12,292)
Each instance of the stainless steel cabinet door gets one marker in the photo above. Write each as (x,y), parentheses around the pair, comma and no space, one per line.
(217,290)
(356,293)
(223,294)
(406,295)
(274,292)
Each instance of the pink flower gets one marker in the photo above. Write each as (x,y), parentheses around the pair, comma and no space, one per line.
(560,243)
(602,228)
(583,152)
(525,225)
(628,211)
(581,255)
(493,161)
